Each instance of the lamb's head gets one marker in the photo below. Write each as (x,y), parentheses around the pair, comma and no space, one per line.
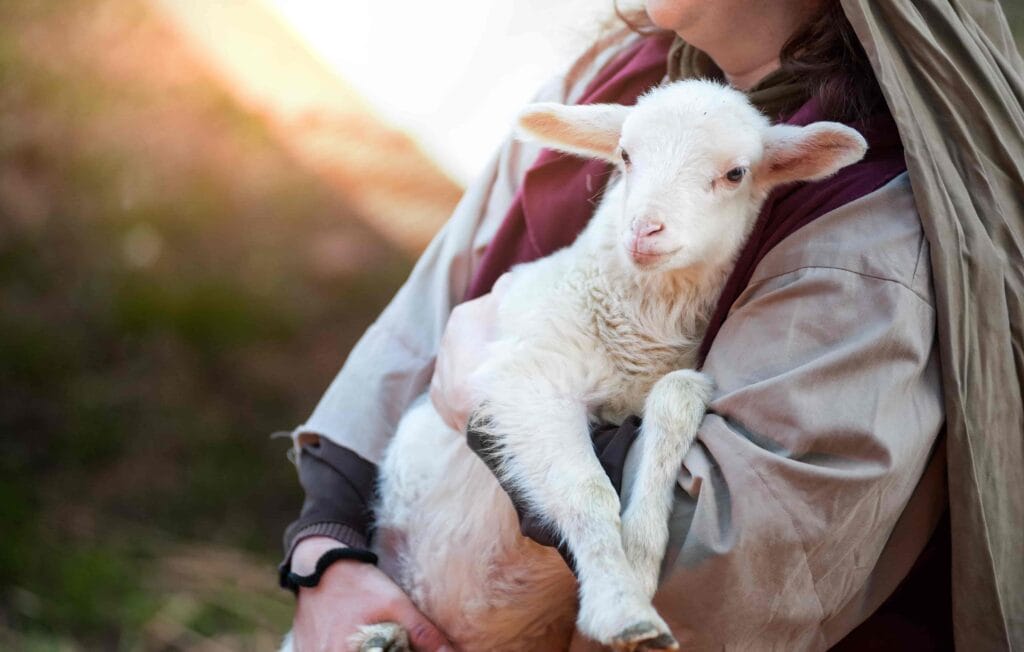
(697,162)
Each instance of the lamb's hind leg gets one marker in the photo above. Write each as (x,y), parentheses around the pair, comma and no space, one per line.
(672,413)
(546,456)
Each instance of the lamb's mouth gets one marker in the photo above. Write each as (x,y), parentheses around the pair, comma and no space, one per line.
(648,258)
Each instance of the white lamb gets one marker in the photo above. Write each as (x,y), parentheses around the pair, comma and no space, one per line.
(603,329)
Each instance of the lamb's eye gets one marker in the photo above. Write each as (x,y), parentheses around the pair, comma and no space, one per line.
(736,175)
(625,157)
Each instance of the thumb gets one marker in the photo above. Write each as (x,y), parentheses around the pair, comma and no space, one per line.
(423,634)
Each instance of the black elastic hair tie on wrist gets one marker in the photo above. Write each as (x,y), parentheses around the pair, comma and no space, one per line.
(295,581)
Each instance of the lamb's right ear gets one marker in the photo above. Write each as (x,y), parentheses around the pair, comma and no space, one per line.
(585,129)
(808,153)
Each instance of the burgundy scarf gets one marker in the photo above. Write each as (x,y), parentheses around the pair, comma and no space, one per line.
(559,192)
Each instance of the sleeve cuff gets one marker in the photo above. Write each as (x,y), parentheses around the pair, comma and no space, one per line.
(339,531)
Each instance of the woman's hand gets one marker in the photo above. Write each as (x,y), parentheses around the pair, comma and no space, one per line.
(471,327)
(352,594)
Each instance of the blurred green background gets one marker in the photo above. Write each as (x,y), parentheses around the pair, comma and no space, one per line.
(174,286)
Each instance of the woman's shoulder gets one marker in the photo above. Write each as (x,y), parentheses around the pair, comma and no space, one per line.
(877,236)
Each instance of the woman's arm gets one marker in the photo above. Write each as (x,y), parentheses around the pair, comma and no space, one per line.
(806,498)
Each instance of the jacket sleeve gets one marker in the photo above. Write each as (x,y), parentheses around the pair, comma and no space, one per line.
(805,499)
(339,487)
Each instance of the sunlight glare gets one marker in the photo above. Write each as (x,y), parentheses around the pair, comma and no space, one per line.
(452,72)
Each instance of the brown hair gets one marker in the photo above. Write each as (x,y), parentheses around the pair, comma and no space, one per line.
(825,53)
(828,56)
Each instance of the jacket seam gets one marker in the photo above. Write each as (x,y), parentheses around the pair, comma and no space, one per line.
(837,268)
(917,263)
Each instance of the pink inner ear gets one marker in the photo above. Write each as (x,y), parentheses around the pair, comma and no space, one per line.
(542,123)
(590,130)
(589,140)
(811,153)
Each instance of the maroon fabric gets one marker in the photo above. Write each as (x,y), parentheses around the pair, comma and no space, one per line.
(559,192)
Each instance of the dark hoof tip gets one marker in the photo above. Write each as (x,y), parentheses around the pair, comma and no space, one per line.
(661,642)
(644,636)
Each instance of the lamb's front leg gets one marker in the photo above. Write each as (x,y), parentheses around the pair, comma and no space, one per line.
(544,454)
(672,414)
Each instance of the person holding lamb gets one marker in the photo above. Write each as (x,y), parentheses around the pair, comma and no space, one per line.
(809,514)
(602,329)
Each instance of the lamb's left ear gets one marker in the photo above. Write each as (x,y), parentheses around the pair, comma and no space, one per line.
(585,129)
(808,153)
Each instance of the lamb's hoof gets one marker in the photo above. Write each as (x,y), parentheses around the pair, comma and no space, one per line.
(643,637)
(381,644)
(382,637)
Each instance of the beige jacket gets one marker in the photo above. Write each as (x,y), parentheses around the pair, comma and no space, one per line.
(816,479)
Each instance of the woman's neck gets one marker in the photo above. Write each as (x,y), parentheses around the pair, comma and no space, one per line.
(743,38)
(744,80)
(746,64)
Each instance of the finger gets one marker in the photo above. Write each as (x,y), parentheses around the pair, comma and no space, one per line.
(423,634)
